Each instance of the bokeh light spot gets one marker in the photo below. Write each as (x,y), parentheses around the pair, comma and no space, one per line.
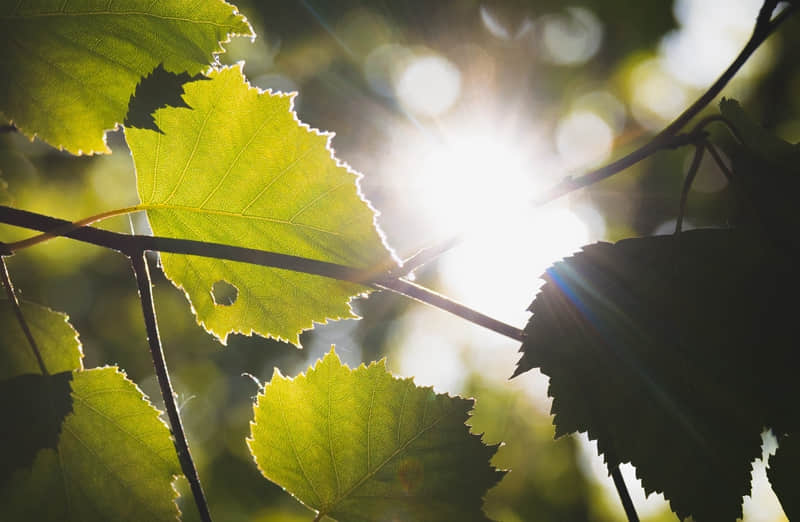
(429,85)
(583,138)
(571,38)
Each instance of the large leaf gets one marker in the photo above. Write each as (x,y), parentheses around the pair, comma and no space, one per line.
(78,445)
(70,68)
(114,459)
(361,445)
(239,168)
(782,473)
(673,352)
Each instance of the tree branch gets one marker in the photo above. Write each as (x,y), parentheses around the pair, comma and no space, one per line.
(140,268)
(665,139)
(668,138)
(131,245)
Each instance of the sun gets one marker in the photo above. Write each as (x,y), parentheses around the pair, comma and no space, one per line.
(478,183)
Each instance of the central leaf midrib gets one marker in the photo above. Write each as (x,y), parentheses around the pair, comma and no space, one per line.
(395,453)
(227,213)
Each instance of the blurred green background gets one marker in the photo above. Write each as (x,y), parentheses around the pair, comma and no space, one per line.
(457,113)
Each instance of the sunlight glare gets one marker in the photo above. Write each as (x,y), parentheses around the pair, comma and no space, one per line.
(469,183)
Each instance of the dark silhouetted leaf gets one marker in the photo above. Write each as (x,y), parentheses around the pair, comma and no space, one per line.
(766,174)
(782,473)
(673,352)
(158,89)
(33,408)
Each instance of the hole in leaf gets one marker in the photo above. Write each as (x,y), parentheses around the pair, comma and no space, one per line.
(224,293)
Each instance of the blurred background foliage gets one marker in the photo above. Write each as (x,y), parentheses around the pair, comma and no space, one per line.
(457,112)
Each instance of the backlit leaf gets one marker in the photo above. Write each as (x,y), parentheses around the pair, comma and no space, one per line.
(70,68)
(673,352)
(77,445)
(361,445)
(240,169)
(114,459)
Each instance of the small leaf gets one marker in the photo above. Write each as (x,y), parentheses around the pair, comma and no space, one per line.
(114,459)
(782,474)
(673,352)
(758,139)
(70,68)
(55,338)
(361,445)
(240,169)
(158,89)
(766,174)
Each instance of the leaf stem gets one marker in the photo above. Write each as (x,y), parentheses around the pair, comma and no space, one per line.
(142,272)
(687,184)
(131,244)
(624,496)
(67,227)
(12,297)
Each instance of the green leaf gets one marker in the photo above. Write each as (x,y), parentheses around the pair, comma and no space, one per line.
(55,338)
(78,445)
(5,196)
(782,474)
(361,445)
(114,459)
(240,169)
(70,68)
(673,352)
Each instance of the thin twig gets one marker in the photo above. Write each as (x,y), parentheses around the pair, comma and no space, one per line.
(131,244)
(624,496)
(702,124)
(669,137)
(422,294)
(719,161)
(46,236)
(12,298)
(763,28)
(687,184)
(140,268)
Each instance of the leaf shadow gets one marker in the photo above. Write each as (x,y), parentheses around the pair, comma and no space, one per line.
(159,89)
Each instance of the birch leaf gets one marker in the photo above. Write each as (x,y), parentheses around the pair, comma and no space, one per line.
(360,445)
(240,169)
(70,68)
